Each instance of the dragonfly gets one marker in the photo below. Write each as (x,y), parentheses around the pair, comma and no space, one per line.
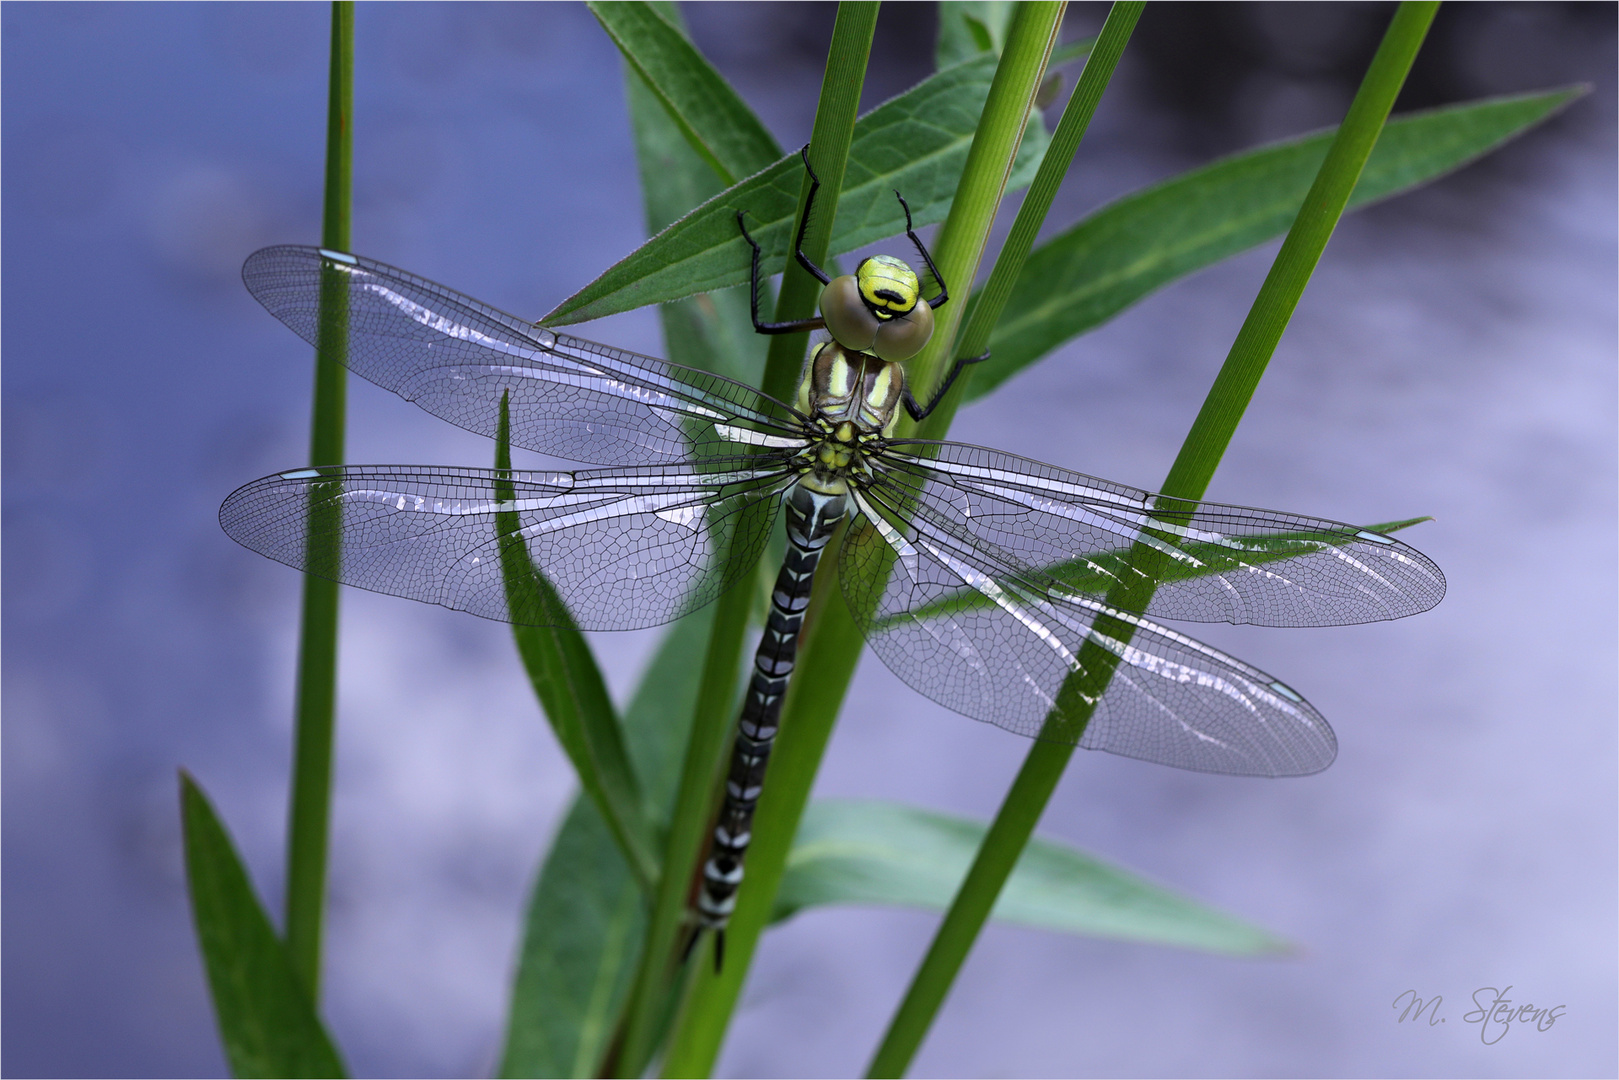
(1008,590)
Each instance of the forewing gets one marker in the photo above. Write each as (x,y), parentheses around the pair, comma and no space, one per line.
(456,357)
(1211,563)
(619,549)
(1036,659)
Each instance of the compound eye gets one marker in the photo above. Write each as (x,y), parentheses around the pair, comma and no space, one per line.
(848,319)
(903,337)
(888,285)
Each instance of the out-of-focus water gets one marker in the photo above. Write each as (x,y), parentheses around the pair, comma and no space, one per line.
(1454,356)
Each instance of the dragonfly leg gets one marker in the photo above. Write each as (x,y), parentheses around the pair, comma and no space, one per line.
(795,326)
(921,249)
(920,412)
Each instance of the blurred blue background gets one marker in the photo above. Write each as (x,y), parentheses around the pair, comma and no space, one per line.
(1454,356)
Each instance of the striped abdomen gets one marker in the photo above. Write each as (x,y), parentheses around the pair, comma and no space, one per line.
(811,518)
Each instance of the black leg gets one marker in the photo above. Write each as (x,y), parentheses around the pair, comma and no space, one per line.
(797,326)
(803,225)
(944,293)
(920,413)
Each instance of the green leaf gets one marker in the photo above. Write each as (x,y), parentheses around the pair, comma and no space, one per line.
(855,851)
(1223,408)
(1088,274)
(917,143)
(709,113)
(585,919)
(968,28)
(569,685)
(1096,574)
(266,1021)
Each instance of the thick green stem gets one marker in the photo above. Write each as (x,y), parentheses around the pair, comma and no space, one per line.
(962,238)
(831,643)
(657,976)
(1188,478)
(1076,120)
(311,796)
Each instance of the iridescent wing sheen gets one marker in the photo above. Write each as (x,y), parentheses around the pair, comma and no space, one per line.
(619,549)
(975,630)
(1212,563)
(457,357)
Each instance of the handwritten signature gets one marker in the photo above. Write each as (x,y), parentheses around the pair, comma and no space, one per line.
(1494,1012)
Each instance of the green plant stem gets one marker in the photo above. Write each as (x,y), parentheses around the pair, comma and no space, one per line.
(311,797)
(1076,119)
(1188,478)
(831,643)
(961,241)
(656,977)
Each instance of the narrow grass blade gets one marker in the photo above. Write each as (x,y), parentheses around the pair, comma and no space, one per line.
(983,315)
(852,851)
(309,812)
(713,117)
(267,1022)
(1097,573)
(917,143)
(831,644)
(1086,275)
(1188,478)
(570,686)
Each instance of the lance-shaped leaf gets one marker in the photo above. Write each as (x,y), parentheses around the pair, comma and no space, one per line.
(916,144)
(586,917)
(851,851)
(711,115)
(1088,274)
(266,1021)
(570,685)
(1097,573)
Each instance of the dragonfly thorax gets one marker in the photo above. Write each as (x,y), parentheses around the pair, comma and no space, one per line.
(843,385)
(853,400)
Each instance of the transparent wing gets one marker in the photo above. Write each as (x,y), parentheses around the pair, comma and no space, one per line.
(1037,658)
(455,357)
(1213,563)
(619,550)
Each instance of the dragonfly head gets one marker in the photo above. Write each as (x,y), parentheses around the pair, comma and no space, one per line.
(878,309)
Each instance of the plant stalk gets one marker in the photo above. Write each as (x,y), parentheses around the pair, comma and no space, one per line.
(831,643)
(1188,478)
(311,795)
(657,976)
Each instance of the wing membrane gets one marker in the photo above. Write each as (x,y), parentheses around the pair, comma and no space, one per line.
(1212,563)
(621,549)
(1039,659)
(455,357)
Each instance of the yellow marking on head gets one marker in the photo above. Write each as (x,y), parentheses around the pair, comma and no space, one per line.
(887,285)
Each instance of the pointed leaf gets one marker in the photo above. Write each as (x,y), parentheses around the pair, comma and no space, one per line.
(585,920)
(917,143)
(1113,258)
(586,917)
(710,114)
(1095,574)
(570,686)
(266,1021)
(851,851)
